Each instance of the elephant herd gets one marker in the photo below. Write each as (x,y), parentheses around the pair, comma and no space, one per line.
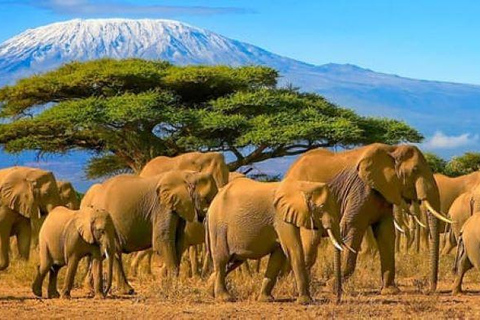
(175,204)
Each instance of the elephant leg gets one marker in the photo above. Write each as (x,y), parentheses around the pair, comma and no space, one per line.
(275,263)
(24,237)
(70,276)
(97,278)
(6,224)
(397,241)
(88,279)
(385,235)
(462,265)
(52,282)
(123,287)
(290,240)
(219,275)
(42,270)
(193,254)
(207,263)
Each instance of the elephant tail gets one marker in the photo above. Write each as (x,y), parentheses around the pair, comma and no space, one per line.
(460,252)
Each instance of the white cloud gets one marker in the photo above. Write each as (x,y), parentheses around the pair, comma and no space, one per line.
(441,141)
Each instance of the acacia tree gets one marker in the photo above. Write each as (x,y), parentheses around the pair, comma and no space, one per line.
(129,111)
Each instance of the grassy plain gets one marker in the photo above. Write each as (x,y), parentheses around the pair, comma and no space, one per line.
(187,297)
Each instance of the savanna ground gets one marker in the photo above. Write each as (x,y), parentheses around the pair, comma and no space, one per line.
(187,297)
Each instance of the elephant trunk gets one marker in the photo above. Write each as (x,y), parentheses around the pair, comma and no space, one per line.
(427,191)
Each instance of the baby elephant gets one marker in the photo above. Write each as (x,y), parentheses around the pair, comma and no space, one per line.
(468,250)
(250,219)
(65,238)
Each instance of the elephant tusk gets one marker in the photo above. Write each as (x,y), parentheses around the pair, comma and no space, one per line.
(349,248)
(106,254)
(397,226)
(334,241)
(419,222)
(437,214)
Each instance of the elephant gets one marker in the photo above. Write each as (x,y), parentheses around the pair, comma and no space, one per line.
(68,198)
(367,182)
(209,162)
(461,209)
(468,250)
(65,238)
(25,194)
(68,195)
(451,188)
(152,212)
(250,219)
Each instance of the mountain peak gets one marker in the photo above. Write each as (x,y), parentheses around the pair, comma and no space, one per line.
(44,48)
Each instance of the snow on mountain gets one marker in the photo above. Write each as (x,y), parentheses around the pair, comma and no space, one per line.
(44,48)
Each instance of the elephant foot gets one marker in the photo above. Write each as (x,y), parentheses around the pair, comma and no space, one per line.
(304,300)
(37,291)
(54,295)
(390,290)
(66,295)
(99,296)
(457,291)
(224,297)
(265,298)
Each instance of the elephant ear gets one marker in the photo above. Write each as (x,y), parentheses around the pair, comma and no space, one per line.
(377,169)
(293,203)
(17,193)
(83,224)
(175,195)
(202,184)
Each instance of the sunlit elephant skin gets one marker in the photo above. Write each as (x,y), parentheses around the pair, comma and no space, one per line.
(25,194)
(461,209)
(250,219)
(152,212)
(208,162)
(65,238)
(367,182)
(468,251)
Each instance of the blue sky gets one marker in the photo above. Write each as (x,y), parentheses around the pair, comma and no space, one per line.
(426,39)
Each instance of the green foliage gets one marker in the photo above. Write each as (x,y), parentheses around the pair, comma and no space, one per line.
(465,164)
(129,111)
(437,164)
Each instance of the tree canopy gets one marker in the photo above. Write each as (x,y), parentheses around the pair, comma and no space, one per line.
(129,111)
(457,166)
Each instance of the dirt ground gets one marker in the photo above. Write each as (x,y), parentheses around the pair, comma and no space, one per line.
(187,297)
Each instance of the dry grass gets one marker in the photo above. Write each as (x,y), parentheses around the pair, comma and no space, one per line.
(187,297)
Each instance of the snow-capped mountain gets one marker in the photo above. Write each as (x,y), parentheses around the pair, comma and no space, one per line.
(44,48)
(430,106)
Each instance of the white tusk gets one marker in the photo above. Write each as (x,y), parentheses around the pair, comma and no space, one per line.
(419,222)
(334,241)
(106,254)
(436,214)
(349,248)
(397,226)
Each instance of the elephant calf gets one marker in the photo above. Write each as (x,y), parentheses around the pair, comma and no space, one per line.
(250,219)
(468,250)
(65,238)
